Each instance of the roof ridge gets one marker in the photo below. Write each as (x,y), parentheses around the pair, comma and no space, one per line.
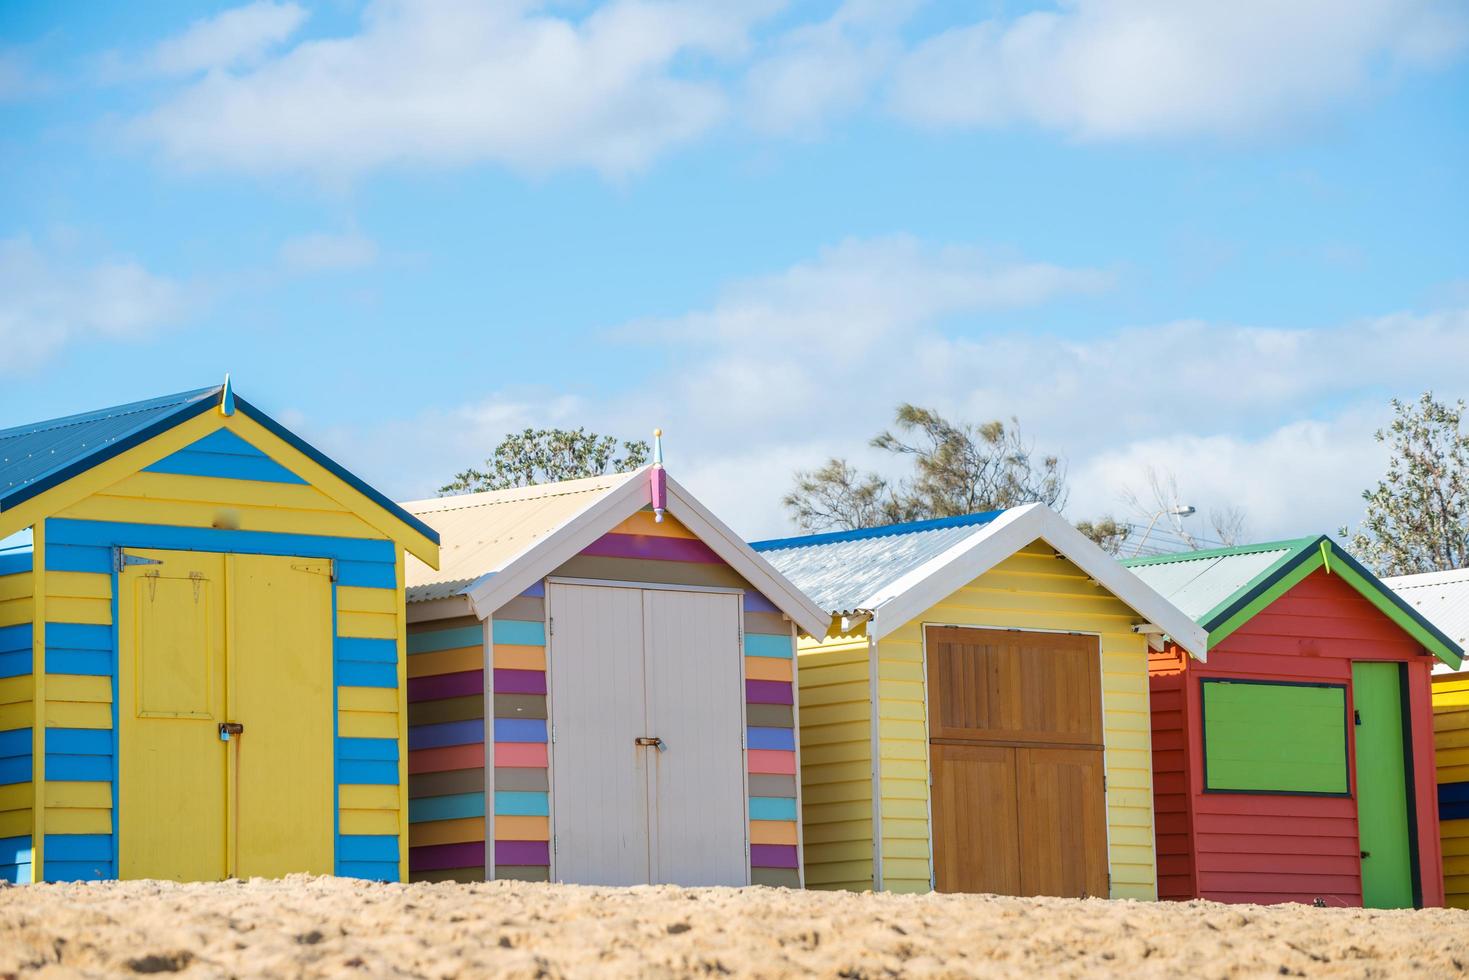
(977,519)
(1289,544)
(511,495)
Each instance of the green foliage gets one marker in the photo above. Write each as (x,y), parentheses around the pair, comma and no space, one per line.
(1418,515)
(958,468)
(548,456)
(1107,532)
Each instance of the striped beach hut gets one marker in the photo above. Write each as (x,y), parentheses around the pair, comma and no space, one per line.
(1297,764)
(201,650)
(1443,597)
(975,719)
(600,691)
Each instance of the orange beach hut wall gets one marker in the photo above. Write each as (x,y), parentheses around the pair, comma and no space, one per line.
(600,692)
(201,650)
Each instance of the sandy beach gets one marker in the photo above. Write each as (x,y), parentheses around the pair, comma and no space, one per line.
(316,927)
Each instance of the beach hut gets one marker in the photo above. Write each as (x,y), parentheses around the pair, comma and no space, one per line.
(636,723)
(1297,764)
(975,716)
(200,636)
(1443,597)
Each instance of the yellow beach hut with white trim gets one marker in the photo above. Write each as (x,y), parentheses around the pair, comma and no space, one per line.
(977,718)
(201,650)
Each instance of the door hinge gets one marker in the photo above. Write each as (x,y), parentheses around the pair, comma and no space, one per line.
(121,559)
(553,733)
(554,842)
(550,625)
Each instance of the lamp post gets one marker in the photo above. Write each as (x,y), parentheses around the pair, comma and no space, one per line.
(1181,510)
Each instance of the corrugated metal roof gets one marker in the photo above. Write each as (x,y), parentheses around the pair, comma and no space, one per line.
(1199,582)
(31,453)
(843,571)
(480,533)
(1442,598)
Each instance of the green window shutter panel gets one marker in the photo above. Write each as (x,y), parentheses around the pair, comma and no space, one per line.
(1275,738)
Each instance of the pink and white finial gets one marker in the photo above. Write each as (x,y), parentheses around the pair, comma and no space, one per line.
(657,479)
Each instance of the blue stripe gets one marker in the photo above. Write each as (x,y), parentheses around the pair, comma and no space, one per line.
(16,769)
(14,638)
(368,847)
(90,663)
(509,804)
(78,741)
(1453,811)
(77,558)
(519,633)
(77,870)
(16,874)
(366,650)
(78,636)
(15,850)
(368,870)
(468,732)
(17,663)
(1453,792)
(862,534)
(16,563)
(79,847)
(772,738)
(169,538)
(435,640)
(772,808)
(381,749)
(15,742)
(448,807)
(79,768)
(226,442)
(367,772)
(767,645)
(367,574)
(520,730)
(352,673)
(536,590)
(185,462)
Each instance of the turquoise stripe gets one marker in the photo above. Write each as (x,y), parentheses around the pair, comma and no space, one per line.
(509,804)
(464,636)
(520,633)
(767,645)
(772,808)
(447,807)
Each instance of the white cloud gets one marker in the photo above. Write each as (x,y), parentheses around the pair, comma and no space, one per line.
(455,82)
(328,252)
(1128,68)
(240,35)
(49,300)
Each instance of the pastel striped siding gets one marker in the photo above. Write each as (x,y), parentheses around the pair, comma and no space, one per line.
(446,750)
(1451,746)
(17,734)
(522,815)
(219,494)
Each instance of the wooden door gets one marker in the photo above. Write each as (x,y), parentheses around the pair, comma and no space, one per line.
(696,706)
(1016,761)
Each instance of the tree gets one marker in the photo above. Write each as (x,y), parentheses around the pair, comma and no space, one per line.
(1107,532)
(1418,515)
(1160,518)
(958,468)
(547,456)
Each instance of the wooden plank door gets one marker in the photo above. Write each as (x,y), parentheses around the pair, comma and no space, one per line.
(599,779)
(696,699)
(1016,762)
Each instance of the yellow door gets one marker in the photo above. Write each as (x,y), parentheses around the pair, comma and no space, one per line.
(280,656)
(171,699)
(208,639)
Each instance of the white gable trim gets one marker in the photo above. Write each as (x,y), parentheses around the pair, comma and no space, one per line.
(489,592)
(908,597)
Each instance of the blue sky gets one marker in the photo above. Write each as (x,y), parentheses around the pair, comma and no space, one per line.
(1212,242)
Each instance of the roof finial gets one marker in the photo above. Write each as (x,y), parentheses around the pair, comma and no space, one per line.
(657,479)
(227,397)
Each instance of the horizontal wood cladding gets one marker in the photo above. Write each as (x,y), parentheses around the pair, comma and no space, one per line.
(1171,782)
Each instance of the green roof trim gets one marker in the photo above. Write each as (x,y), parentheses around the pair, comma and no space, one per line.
(1301,557)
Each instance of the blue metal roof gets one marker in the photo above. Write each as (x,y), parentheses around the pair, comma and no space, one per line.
(843,570)
(34,458)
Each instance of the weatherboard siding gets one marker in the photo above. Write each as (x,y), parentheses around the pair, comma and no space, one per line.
(1171,810)
(1451,746)
(17,733)
(219,492)
(1032,589)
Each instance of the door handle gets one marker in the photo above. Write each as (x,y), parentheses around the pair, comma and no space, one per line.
(230,728)
(654,741)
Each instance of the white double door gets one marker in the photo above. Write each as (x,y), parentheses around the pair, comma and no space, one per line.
(631,664)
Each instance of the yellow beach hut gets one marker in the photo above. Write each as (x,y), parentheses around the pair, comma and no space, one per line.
(201,650)
(976,718)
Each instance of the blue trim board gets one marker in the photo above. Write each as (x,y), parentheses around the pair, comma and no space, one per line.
(367,761)
(116,733)
(78,648)
(16,756)
(165,537)
(224,455)
(770,645)
(17,657)
(366,662)
(78,755)
(431,641)
(79,558)
(517,632)
(782,739)
(16,859)
(16,562)
(469,732)
(889,530)
(17,663)
(772,808)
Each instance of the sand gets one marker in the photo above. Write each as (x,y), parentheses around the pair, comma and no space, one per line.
(315,927)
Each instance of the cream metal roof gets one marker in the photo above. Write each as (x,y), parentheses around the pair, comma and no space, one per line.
(480,533)
(1442,598)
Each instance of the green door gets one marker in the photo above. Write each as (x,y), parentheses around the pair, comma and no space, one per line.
(1382,787)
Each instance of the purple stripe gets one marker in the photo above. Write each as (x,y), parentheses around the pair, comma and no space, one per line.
(653,546)
(766,855)
(446,685)
(437,857)
(470,732)
(520,682)
(533,852)
(755,602)
(765,692)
